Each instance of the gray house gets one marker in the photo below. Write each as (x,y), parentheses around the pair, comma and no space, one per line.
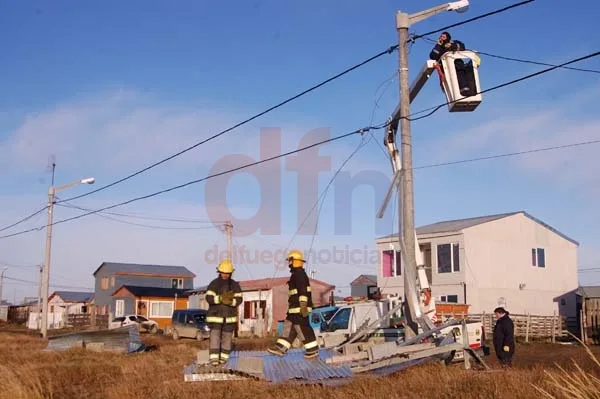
(109,277)
(364,285)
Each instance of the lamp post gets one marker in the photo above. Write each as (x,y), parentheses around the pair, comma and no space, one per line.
(406,190)
(46,271)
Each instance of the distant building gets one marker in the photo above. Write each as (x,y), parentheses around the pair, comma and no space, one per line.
(153,303)
(69,302)
(111,276)
(268,298)
(363,285)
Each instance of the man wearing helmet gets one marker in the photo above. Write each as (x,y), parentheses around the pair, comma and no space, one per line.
(299,306)
(223,295)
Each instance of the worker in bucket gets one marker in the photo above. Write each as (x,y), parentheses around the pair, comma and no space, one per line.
(300,304)
(464,72)
(223,295)
(504,337)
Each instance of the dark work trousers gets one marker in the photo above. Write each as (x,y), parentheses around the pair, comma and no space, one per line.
(302,330)
(221,336)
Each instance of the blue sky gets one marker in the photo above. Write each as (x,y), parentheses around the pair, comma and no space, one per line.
(113,86)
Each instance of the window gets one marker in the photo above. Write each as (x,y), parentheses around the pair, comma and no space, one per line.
(119,307)
(388,257)
(177,283)
(112,282)
(250,309)
(448,258)
(392,263)
(341,320)
(104,283)
(161,309)
(538,257)
(449,298)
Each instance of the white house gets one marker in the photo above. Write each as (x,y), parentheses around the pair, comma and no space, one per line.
(512,260)
(70,302)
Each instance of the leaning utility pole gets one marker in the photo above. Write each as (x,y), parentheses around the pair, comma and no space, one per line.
(228,233)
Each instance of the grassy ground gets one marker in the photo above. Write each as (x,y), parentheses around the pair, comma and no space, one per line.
(27,372)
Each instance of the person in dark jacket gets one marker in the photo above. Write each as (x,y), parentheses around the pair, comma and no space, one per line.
(464,72)
(504,337)
(300,305)
(223,295)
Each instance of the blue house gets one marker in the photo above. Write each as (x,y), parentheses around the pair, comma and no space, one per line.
(109,277)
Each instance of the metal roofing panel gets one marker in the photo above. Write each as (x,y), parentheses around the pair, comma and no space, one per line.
(74,296)
(125,339)
(292,367)
(115,267)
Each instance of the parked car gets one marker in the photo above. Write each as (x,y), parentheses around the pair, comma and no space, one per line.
(189,323)
(141,322)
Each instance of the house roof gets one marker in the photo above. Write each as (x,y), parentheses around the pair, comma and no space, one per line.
(455,226)
(155,291)
(136,268)
(268,283)
(368,277)
(589,291)
(74,296)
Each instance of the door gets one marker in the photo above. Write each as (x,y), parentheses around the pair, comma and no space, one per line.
(119,308)
(142,308)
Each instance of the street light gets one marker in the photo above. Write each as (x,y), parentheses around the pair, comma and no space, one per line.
(46,272)
(406,213)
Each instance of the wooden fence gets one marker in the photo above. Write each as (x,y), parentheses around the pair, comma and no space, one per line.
(590,321)
(85,319)
(526,326)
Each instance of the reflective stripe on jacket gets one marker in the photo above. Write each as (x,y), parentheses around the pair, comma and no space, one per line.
(218,312)
(299,291)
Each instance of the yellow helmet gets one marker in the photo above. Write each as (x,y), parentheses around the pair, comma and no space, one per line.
(225,266)
(296,258)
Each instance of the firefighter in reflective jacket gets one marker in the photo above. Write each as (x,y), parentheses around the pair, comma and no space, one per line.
(223,295)
(299,306)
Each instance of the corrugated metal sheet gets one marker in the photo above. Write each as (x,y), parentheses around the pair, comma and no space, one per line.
(291,367)
(125,340)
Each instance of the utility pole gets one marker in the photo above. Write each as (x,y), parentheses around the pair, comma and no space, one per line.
(46,271)
(407,234)
(228,233)
(39,305)
(406,204)
(2,283)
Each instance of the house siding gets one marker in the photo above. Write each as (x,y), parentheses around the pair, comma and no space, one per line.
(500,258)
(104,297)
(495,258)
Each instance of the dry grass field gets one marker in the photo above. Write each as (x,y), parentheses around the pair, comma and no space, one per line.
(27,372)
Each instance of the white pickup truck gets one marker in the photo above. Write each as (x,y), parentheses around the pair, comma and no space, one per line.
(350,317)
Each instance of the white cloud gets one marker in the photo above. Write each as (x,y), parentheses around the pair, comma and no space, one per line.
(544,126)
(113,134)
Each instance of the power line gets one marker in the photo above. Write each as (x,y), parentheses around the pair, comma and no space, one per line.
(26,218)
(348,70)
(512,82)
(137,224)
(510,154)
(358,131)
(165,219)
(414,37)
(502,57)
(51,285)
(337,76)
